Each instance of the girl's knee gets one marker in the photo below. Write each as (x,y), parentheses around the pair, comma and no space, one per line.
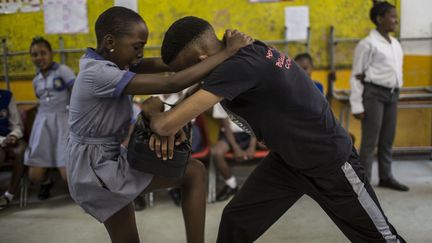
(218,150)
(37,175)
(196,171)
(63,174)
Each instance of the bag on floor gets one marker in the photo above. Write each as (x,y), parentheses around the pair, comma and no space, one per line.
(141,158)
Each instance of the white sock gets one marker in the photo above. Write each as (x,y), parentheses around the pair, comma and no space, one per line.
(9,196)
(231,182)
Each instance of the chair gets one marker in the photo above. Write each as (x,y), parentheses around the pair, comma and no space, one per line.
(23,182)
(259,154)
(204,152)
(27,117)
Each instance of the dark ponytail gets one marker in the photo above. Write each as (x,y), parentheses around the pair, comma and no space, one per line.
(379,8)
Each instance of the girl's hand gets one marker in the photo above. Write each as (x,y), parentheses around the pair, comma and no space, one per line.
(360,77)
(239,154)
(234,40)
(359,116)
(10,140)
(250,152)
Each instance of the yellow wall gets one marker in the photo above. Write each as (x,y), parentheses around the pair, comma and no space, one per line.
(261,20)
(414,127)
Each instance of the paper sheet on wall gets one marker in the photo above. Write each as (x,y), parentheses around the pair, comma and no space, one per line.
(296,23)
(30,6)
(9,6)
(65,16)
(24,6)
(416,22)
(131,4)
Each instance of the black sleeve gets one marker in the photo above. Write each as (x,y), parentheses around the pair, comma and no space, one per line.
(231,78)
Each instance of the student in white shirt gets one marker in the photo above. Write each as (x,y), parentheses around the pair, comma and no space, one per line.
(375,82)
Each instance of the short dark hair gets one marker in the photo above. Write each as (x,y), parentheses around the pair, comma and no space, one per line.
(180,34)
(40,40)
(304,55)
(116,21)
(379,8)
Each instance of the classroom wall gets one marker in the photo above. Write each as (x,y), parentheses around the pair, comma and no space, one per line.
(261,20)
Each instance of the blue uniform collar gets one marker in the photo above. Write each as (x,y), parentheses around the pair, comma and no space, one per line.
(54,66)
(91,53)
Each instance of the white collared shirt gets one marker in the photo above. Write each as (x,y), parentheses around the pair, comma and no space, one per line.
(380,61)
(220,113)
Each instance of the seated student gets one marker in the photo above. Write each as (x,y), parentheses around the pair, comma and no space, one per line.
(12,146)
(310,153)
(304,60)
(233,138)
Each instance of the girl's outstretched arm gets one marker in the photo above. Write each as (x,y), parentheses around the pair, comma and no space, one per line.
(143,84)
(150,65)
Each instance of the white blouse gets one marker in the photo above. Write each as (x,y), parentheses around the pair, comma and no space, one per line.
(381,63)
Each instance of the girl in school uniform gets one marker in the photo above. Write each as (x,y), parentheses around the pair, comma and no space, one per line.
(100,179)
(52,86)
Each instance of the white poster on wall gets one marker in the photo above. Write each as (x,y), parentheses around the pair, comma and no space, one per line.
(296,23)
(65,16)
(131,4)
(416,22)
(9,6)
(30,6)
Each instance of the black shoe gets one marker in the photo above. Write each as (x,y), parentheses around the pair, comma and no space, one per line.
(393,184)
(140,203)
(4,201)
(45,191)
(175,195)
(226,193)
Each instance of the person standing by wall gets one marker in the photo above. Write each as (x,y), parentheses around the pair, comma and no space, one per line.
(52,85)
(375,82)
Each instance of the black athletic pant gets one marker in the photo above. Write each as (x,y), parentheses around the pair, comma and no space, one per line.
(273,187)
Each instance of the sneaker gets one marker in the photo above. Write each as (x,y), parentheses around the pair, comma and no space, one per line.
(226,193)
(4,201)
(393,184)
(175,195)
(45,191)
(140,203)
